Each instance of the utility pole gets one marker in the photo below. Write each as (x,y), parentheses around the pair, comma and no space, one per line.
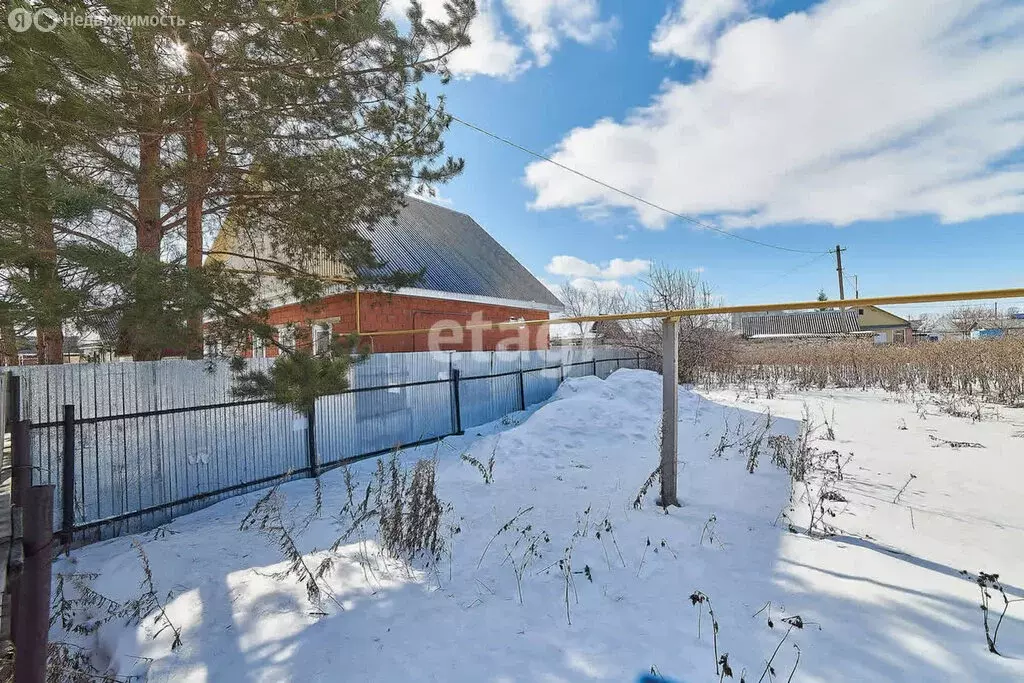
(839,269)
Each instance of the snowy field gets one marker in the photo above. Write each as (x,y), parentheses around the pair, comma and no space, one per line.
(883,599)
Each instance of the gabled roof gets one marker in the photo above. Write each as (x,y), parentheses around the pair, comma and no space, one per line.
(456,255)
(807,323)
(891,319)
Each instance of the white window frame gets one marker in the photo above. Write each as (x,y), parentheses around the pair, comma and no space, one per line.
(286,337)
(213,348)
(321,333)
(259,347)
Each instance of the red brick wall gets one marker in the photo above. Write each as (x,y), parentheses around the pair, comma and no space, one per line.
(380,312)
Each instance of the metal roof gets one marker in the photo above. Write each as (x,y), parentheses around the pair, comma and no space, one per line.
(455,253)
(812,323)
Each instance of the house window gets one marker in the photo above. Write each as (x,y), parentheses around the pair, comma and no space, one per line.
(259,347)
(214,348)
(321,338)
(286,338)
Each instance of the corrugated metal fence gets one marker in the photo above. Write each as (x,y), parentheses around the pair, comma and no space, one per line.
(155,440)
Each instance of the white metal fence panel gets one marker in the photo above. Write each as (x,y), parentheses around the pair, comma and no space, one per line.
(155,440)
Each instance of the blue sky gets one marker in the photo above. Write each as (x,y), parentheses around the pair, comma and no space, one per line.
(798,124)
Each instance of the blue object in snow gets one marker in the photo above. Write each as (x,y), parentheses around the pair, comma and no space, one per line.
(650,678)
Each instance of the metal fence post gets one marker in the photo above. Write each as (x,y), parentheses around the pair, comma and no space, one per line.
(593,362)
(314,459)
(522,390)
(21,462)
(21,482)
(456,404)
(33,612)
(13,398)
(67,481)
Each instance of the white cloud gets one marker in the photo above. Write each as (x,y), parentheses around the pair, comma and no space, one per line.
(545,22)
(572,267)
(854,110)
(599,285)
(432,195)
(690,31)
(492,52)
(542,23)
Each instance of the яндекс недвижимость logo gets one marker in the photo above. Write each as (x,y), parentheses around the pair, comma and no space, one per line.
(46,19)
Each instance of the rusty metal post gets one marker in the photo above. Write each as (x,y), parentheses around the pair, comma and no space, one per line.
(21,482)
(670,411)
(21,462)
(13,398)
(33,614)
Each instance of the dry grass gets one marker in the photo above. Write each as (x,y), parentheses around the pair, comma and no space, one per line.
(986,370)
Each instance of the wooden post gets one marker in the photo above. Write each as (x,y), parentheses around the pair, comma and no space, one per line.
(670,410)
(314,459)
(67,481)
(33,613)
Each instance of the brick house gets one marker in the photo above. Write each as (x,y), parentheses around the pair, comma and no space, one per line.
(467,276)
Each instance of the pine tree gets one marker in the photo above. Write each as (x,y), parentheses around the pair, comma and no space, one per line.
(297,122)
(40,207)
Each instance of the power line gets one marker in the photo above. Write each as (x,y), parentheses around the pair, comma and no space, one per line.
(625,193)
(799,266)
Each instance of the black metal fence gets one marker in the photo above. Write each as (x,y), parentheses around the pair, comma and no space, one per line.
(132,446)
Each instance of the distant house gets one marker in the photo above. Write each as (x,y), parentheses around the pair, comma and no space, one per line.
(866,322)
(945,327)
(888,327)
(998,328)
(465,272)
(601,332)
(76,350)
(941,328)
(802,324)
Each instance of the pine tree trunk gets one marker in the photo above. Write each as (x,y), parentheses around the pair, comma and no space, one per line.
(148,230)
(195,193)
(44,275)
(49,334)
(8,344)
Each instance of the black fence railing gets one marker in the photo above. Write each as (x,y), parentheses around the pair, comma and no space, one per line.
(132,470)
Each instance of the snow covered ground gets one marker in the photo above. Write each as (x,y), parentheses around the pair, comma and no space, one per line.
(882,600)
